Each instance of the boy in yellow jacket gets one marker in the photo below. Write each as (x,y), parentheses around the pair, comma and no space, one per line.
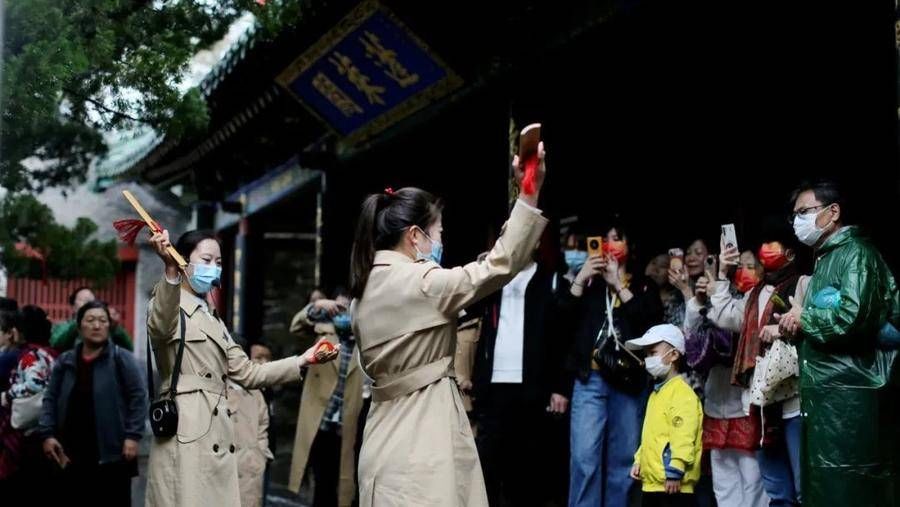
(668,460)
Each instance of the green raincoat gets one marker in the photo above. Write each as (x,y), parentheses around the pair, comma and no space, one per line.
(848,385)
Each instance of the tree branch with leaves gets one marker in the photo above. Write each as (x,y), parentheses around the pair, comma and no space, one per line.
(74,69)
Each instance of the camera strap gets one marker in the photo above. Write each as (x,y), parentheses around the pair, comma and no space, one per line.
(176,368)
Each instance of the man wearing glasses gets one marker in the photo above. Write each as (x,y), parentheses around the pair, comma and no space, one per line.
(848,390)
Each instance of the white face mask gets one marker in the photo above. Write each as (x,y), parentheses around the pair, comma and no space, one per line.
(655,366)
(806,230)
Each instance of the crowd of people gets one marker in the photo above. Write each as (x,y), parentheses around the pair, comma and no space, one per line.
(708,375)
(72,410)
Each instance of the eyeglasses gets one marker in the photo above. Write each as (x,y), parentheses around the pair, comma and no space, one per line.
(804,211)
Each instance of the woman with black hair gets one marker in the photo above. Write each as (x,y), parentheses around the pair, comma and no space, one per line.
(197,466)
(21,462)
(418,447)
(609,304)
(754,317)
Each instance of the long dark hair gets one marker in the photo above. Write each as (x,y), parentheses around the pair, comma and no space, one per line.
(624,230)
(383,220)
(189,241)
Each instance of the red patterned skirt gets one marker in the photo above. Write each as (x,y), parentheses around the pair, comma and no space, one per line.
(742,433)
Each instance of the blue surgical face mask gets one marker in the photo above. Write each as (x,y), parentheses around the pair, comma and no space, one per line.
(575,259)
(437,251)
(203,277)
(341,323)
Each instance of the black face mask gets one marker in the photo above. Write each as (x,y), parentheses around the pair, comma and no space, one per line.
(777,277)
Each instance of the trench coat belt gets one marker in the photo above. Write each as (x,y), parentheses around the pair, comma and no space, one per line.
(192,383)
(405,382)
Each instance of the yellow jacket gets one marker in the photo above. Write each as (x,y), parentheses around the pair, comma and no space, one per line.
(671,441)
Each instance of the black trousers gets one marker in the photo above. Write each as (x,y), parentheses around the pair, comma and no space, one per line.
(114,489)
(519,456)
(40,482)
(325,459)
(357,448)
(667,500)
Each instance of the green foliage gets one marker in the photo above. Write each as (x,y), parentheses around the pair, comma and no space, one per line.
(73,69)
(69,252)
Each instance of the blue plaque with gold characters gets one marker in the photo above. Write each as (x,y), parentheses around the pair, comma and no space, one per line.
(367,73)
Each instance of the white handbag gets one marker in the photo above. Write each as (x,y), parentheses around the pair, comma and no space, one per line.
(26,412)
(776,376)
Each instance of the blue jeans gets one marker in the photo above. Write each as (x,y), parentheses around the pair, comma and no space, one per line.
(606,429)
(780,466)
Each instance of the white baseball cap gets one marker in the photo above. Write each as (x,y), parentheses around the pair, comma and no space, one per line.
(661,333)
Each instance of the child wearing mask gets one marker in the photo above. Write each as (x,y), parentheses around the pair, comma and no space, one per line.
(668,461)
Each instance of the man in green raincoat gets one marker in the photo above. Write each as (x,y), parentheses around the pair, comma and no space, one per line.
(848,379)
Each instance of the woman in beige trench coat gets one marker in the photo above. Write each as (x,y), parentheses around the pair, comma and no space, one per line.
(417,446)
(318,387)
(198,465)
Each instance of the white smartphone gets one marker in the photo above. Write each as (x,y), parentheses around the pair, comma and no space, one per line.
(729,236)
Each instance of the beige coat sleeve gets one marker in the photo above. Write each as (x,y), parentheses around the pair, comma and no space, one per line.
(454,289)
(304,328)
(466,346)
(162,314)
(263,428)
(301,324)
(256,376)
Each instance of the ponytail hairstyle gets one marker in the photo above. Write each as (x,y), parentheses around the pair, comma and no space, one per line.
(384,219)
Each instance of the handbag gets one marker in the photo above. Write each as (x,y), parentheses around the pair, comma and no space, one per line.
(26,412)
(709,346)
(776,376)
(615,363)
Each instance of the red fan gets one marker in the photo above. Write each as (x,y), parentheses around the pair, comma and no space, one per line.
(325,352)
(529,139)
(128,229)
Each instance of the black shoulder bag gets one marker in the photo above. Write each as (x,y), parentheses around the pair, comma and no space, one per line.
(164,411)
(617,365)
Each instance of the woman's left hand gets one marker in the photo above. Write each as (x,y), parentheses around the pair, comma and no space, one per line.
(130,449)
(539,175)
(678,278)
(309,357)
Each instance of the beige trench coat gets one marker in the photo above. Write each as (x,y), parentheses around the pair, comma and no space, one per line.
(467,337)
(250,415)
(317,389)
(198,465)
(418,448)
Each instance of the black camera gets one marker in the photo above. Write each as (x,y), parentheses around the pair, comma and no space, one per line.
(164,418)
